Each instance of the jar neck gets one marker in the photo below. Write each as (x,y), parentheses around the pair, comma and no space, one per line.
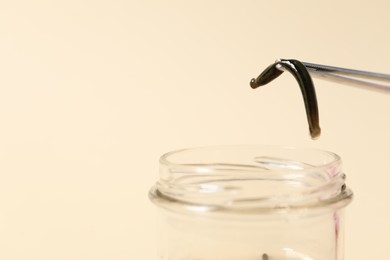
(251,180)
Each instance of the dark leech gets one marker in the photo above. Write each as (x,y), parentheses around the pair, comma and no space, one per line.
(301,74)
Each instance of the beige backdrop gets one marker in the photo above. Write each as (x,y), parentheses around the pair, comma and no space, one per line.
(93,92)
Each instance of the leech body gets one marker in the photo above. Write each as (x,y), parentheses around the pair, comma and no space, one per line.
(301,74)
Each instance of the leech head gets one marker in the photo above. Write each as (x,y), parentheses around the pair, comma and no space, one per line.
(253,83)
(268,75)
(301,74)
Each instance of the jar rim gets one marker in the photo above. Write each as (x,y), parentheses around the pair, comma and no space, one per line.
(164,159)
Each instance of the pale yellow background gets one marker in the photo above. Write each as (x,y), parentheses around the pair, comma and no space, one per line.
(93,92)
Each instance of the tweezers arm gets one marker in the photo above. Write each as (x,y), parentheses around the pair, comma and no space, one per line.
(369,85)
(350,72)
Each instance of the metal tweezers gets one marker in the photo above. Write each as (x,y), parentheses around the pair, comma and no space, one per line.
(303,71)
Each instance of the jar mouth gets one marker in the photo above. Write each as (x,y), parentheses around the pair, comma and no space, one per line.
(250,178)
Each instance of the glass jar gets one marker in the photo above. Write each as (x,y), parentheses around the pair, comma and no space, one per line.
(251,203)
